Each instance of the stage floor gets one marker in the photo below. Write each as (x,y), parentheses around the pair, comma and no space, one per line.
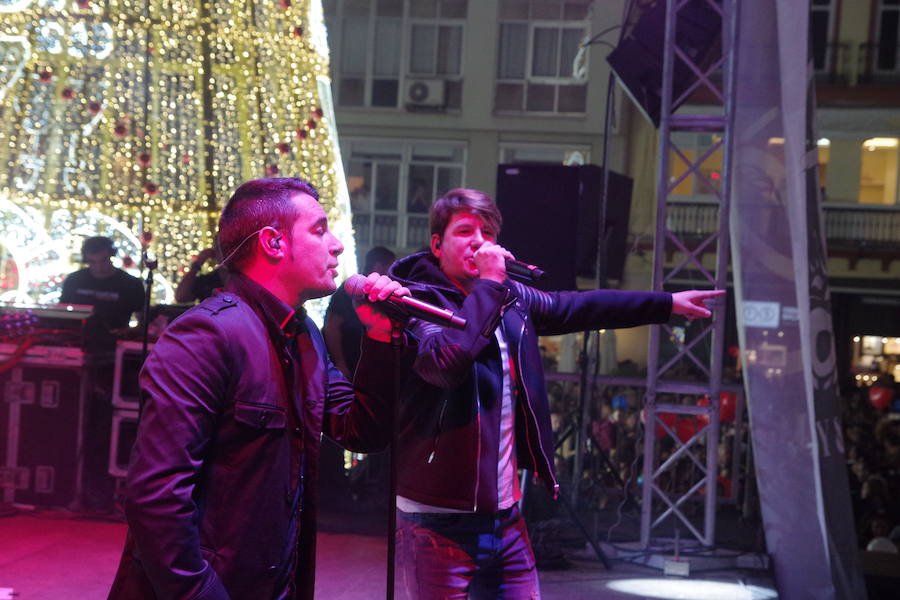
(60,556)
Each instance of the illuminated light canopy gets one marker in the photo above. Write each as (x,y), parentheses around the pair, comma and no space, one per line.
(666,588)
(151,112)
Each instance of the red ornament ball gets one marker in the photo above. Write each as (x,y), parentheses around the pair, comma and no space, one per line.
(45,76)
(120,129)
(127,262)
(144,159)
(285,4)
(271,170)
(67,93)
(297,31)
(318,112)
(94,107)
(284,148)
(83,3)
(150,189)
(302,134)
(311,124)
(186,159)
(147,235)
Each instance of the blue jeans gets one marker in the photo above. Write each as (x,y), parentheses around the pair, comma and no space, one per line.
(458,556)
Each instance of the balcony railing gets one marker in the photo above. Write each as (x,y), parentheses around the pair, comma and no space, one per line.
(834,63)
(881,63)
(846,225)
(863,225)
(843,63)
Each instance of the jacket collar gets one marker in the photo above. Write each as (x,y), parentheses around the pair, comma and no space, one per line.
(278,316)
(420,269)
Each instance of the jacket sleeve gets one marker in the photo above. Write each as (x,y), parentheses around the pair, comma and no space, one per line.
(445,356)
(182,384)
(556,313)
(357,415)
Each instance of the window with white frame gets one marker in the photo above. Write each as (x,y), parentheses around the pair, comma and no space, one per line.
(397,53)
(886,58)
(539,41)
(393,184)
(566,154)
(821,27)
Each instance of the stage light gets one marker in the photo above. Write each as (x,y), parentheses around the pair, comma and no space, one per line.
(690,589)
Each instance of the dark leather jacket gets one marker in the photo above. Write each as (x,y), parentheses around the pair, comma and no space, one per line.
(221,496)
(449,413)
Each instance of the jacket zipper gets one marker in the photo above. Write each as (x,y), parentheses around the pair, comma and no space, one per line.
(437,437)
(534,419)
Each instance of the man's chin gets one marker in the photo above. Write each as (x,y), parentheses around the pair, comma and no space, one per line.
(321,293)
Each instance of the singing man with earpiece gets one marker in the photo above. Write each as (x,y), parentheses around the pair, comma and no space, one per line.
(236,394)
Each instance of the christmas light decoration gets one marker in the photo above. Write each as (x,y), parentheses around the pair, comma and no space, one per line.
(129,115)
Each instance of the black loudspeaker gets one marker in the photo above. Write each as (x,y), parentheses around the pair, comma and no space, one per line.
(551,218)
(638,58)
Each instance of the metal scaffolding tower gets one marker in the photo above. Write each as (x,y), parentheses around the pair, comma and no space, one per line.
(665,504)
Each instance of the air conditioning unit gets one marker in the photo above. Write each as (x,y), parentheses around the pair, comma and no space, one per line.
(425,93)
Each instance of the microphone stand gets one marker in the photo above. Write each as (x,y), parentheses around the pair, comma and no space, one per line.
(396,348)
(583,416)
(151,264)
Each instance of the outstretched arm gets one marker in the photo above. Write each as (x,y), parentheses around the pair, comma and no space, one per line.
(691,303)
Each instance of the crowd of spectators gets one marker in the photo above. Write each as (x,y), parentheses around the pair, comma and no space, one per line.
(872,448)
(871,439)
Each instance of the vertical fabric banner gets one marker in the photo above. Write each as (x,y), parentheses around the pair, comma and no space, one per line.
(784,312)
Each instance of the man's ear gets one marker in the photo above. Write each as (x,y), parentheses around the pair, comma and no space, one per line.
(270,242)
(436,245)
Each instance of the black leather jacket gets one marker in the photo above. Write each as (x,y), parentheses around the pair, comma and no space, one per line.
(448,430)
(221,497)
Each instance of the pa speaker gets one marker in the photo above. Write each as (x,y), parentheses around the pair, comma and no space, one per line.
(638,58)
(551,218)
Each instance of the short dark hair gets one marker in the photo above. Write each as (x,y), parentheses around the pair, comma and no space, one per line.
(378,254)
(97,244)
(463,200)
(256,204)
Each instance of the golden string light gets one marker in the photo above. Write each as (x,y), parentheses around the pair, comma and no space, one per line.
(151,112)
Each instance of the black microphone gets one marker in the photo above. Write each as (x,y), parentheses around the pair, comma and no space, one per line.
(408,305)
(524,270)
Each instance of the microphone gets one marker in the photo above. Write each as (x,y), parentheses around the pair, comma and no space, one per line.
(524,270)
(408,305)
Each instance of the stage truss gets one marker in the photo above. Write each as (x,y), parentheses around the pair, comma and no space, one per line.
(662,508)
